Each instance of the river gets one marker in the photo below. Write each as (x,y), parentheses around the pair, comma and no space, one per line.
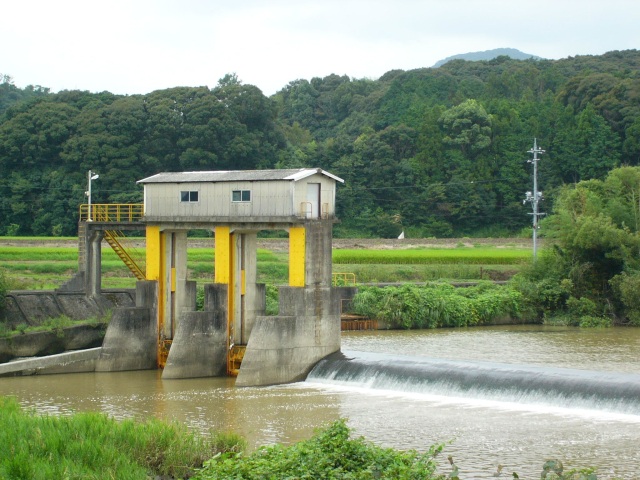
(576,398)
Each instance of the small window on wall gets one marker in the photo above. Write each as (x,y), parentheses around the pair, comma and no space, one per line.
(241,196)
(189,196)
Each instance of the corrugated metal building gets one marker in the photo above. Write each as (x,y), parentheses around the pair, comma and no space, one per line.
(254,195)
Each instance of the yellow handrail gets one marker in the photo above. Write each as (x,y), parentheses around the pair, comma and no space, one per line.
(112,212)
(343,279)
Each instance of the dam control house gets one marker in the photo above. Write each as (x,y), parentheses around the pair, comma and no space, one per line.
(232,335)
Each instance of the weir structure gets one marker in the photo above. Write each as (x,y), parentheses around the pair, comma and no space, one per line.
(231,335)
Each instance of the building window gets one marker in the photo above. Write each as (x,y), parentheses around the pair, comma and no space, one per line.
(241,196)
(189,196)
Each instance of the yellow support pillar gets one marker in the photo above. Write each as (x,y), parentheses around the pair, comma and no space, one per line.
(224,273)
(153,253)
(155,260)
(297,260)
(223,255)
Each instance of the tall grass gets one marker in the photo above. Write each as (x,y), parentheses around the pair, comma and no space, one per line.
(438,305)
(94,446)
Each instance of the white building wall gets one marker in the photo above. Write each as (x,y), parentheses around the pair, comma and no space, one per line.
(268,198)
(327,193)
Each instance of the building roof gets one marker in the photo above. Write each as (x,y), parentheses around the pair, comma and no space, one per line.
(292,174)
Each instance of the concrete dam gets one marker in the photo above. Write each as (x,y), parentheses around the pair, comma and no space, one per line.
(158,326)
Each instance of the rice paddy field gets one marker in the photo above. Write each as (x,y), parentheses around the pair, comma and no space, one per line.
(31,263)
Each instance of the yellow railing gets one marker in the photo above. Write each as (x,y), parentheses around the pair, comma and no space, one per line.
(343,279)
(112,212)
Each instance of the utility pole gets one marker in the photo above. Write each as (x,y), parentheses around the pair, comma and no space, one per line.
(536,197)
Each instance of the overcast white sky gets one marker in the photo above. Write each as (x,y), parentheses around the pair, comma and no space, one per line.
(137,46)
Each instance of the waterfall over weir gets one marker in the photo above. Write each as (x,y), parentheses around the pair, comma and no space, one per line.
(523,384)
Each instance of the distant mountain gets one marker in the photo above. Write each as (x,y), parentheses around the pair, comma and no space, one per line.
(487,55)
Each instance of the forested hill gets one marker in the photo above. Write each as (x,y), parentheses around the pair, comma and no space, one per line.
(433,152)
(488,55)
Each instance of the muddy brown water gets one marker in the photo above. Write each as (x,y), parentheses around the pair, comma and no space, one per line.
(484,430)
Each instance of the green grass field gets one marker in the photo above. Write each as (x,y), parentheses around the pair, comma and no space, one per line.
(43,266)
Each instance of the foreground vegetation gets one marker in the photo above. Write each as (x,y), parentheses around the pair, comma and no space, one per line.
(94,446)
(330,454)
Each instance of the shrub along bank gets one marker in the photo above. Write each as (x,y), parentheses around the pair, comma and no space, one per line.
(330,454)
(436,305)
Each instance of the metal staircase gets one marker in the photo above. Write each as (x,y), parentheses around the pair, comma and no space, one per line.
(114,239)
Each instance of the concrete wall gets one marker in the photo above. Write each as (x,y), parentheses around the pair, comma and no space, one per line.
(68,362)
(33,307)
(131,340)
(285,348)
(38,344)
(130,343)
(199,347)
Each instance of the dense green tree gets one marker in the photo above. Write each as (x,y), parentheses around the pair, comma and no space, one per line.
(595,259)
(436,151)
(468,127)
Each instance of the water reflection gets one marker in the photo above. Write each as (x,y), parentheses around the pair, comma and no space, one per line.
(484,433)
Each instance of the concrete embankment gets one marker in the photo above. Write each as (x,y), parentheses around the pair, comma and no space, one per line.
(40,344)
(33,307)
(68,362)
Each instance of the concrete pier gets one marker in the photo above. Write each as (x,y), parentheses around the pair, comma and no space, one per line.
(130,342)
(199,347)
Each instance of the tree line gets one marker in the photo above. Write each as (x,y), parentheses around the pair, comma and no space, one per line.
(433,151)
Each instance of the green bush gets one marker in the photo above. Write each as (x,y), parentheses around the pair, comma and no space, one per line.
(590,321)
(199,298)
(329,454)
(272,300)
(627,286)
(438,305)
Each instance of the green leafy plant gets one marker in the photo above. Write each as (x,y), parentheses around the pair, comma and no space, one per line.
(272,300)
(438,305)
(331,453)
